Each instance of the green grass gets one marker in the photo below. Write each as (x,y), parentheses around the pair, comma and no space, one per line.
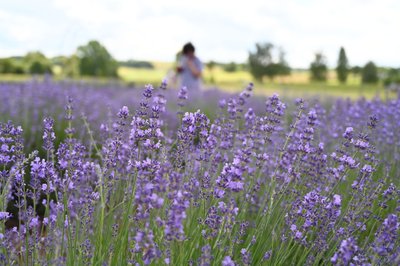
(321,90)
(14,77)
(297,84)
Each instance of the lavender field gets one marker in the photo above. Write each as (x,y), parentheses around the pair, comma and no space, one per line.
(110,175)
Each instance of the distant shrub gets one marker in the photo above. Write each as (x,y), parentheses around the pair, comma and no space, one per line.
(231,67)
(392,77)
(370,73)
(137,64)
(6,66)
(95,60)
(342,68)
(319,68)
(262,62)
(38,67)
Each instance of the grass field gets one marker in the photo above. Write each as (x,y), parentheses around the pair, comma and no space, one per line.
(297,84)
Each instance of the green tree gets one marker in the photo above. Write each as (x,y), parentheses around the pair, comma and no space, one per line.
(260,59)
(95,60)
(392,76)
(356,70)
(262,63)
(272,70)
(342,69)
(71,66)
(284,68)
(370,73)
(59,60)
(230,67)
(19,65)
(37,68)
(37,63)
(18,69)
(318,68)
(6,66)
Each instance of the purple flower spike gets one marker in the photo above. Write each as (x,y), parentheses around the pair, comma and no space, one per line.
(347,251)
(227,261)
(387,235)
(337,200)
(123,112)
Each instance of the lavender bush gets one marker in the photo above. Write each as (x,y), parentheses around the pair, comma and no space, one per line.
(113,176)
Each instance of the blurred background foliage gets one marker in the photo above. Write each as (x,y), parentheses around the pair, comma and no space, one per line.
(266,66)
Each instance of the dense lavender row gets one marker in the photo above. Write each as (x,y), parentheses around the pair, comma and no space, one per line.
(27,103)
(124,176)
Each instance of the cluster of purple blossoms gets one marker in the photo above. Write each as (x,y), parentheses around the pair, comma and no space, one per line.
(148,186)
(231,177)
(274,109)
(349,254)
(11,149)
(386,239)
(206,257)
(48,135)
(176,215)
(146,124)
(227,261)
(182,96)
(314,213)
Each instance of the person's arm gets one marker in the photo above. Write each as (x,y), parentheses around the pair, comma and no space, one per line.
(180,64)
(193,68)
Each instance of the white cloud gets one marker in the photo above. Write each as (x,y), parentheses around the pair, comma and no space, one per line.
(221,30)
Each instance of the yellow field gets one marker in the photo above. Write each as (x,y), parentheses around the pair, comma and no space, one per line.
(141,75)
(221,77)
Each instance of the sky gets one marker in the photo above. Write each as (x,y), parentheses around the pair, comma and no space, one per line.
(222,31)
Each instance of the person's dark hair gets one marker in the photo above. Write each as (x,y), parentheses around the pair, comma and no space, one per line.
(188,48)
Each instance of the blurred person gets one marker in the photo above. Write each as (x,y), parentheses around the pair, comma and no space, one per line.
(189,68)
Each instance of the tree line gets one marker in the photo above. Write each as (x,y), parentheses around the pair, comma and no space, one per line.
(269,61)
(266,61)
(91,59)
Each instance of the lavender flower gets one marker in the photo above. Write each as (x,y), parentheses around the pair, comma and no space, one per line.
(346,253)
(246,256)
(4,216)
(387,236)
(123,112)
(206,257)
(176,216)
(48,135)
(227,261)
(267,255)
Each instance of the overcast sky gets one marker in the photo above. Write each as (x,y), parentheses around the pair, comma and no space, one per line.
(221,30)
